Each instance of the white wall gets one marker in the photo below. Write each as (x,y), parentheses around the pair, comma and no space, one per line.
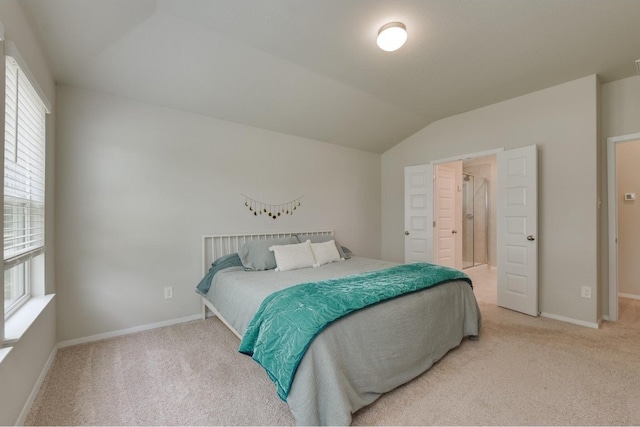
(562,121)
(21,368)
(139,185)
(620,106)
(24,367)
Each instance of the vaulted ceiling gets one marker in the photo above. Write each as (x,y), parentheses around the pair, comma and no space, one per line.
(311,68)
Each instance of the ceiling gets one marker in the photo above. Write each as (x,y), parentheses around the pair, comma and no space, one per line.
(312,68)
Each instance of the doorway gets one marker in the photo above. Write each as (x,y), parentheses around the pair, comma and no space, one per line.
(623,155)
(474,222)
(479,225)
(469,233)
(516,245)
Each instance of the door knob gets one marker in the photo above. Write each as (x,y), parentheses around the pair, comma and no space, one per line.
(454,231)
(406,233)
(531,238)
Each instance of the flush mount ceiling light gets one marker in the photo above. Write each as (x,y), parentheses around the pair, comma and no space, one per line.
(392,36)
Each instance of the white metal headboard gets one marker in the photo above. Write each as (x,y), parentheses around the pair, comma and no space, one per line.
(216,245)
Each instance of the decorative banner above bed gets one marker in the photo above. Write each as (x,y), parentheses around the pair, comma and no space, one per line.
(274,211)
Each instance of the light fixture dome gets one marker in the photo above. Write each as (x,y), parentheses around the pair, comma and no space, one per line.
(392,36)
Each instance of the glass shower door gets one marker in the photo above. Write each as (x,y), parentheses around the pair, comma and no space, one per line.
(480,221)
(467,221)
(475,241)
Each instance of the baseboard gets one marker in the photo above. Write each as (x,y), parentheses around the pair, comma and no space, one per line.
(480,267)
(141,328)
(36,388)
(593,325)
(632,296)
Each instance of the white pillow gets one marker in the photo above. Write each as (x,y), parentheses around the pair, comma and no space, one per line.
(293,257)
(325,252)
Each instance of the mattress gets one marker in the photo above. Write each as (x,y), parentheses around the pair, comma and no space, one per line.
(367,353)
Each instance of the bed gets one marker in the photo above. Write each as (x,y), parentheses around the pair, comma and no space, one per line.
(358,357)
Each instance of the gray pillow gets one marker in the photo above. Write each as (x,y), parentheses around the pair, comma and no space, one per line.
(322,239)
(255,254)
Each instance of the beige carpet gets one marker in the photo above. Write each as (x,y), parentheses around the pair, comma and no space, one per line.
(522,371)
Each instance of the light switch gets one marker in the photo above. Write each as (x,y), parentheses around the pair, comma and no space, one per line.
(630,196)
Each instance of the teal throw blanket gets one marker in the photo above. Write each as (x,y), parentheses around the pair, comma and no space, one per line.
(288,320)
(231,260)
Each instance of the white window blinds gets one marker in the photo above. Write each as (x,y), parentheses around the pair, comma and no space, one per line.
(24,168)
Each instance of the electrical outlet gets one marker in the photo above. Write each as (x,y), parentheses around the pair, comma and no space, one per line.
(168,292)
(585,292)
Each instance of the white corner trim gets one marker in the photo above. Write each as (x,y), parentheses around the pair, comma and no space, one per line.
(127,331)
(36,388)
(593,325)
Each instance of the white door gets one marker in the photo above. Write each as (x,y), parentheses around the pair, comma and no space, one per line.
(418,213)
(445,216)
(517,230)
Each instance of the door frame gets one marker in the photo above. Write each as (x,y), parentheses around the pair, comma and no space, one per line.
(495,151)
(469,156)
(612,201)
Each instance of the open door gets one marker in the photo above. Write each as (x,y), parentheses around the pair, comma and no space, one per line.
(418,213)
(445,213)
(517,226)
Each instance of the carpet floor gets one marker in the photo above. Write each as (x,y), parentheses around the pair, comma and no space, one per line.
(522,371)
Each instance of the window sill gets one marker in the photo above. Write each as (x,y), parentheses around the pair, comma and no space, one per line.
(20,321)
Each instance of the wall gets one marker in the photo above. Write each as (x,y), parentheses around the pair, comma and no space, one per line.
(620,106)
(21,368)
(628,181)
(24,367)
(139,185)
(562,121)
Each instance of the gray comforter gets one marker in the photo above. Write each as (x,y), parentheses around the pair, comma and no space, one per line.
(357,358)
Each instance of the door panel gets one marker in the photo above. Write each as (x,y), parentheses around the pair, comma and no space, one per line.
(445,216)
(517,230)
(418,212)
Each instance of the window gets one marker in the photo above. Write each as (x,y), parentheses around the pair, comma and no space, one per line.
(24,183)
